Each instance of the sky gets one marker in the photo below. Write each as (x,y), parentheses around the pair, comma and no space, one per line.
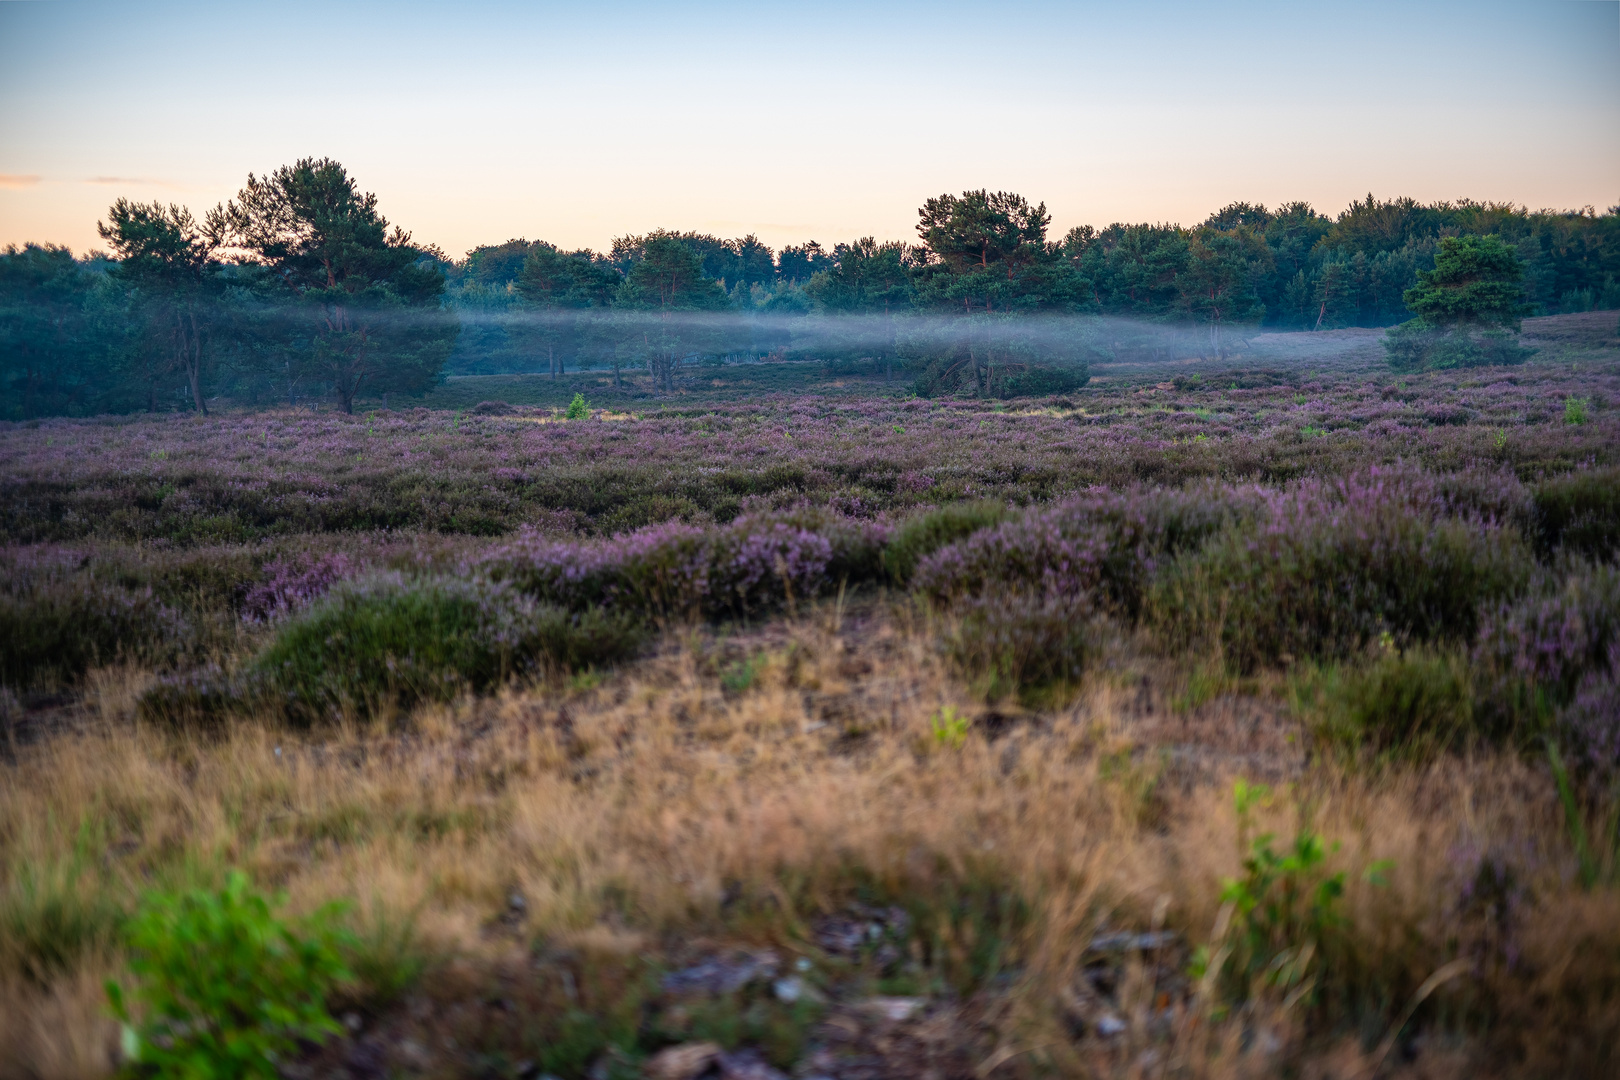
(480,121)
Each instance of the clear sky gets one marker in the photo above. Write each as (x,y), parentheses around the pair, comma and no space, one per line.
(479,121)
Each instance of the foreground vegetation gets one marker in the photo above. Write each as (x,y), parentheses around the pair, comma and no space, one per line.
(1210,720)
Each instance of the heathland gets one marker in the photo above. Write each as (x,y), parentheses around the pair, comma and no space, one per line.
(1246,715)
(1156,652)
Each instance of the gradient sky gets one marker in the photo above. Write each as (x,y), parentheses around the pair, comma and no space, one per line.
(479,121)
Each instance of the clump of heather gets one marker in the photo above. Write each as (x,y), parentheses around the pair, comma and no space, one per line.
(1034,648)
(1580,512)
(1535,651)
(677,570)
(290,585)
(393,640)
(1589,726)
(1332,565)
(1104,543)
(755,563)
(59,630)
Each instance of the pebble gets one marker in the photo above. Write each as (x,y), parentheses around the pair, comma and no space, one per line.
(893,1008)
(682,1062)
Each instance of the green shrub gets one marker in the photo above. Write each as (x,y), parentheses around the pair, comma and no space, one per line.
(398,640)
(199,697)
(58,631)
(929,532)
(1405,703)
(578,409)
(1419,346)
(1284,914)
(1034,648)
(1323,577)
(1036,381)
(224,988)
(1579,512)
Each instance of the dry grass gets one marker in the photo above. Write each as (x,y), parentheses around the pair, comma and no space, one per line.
(661,810)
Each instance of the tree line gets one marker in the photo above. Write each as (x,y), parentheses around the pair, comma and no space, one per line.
(299,289)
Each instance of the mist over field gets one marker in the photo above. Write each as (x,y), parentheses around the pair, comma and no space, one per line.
(945,646)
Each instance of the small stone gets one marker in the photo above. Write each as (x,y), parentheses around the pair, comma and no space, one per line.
(802,964)
(893,1008)
(1126,941)
(517,903)
(412,1055)
(720,976)
(353,1022)
(748,1065)
(681,1062)
(788,990)
(1109,1026)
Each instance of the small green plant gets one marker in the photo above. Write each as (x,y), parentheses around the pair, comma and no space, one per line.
(742,675)
(1278,915)
(578,409)
(949,728)
(224,988)
(1575,410)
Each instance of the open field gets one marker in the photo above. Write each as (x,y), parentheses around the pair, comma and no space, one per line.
(855,734)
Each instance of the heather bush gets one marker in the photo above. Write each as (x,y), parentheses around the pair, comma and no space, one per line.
(1536,650)
(1032,647)
(927,533)
(56,632)
(391,639)
(1412,703)
(1331,567)
(1580,513)
(1588,728)
(292,584)
(200,696)
(1105,544)
(674,570)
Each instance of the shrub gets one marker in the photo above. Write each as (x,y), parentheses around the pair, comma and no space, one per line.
(578,409)
(1331,567)
(927,533)
(201,696)
(1034,648)
(1285,913)
(756,563)
(406,640)
(1579,512)
(1551,638)
(61,629)
(1036,381)
(1419,346)
(291,585)
(1109,544)
(1407,703)
(1589,726)
(224,988)
(673,570)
